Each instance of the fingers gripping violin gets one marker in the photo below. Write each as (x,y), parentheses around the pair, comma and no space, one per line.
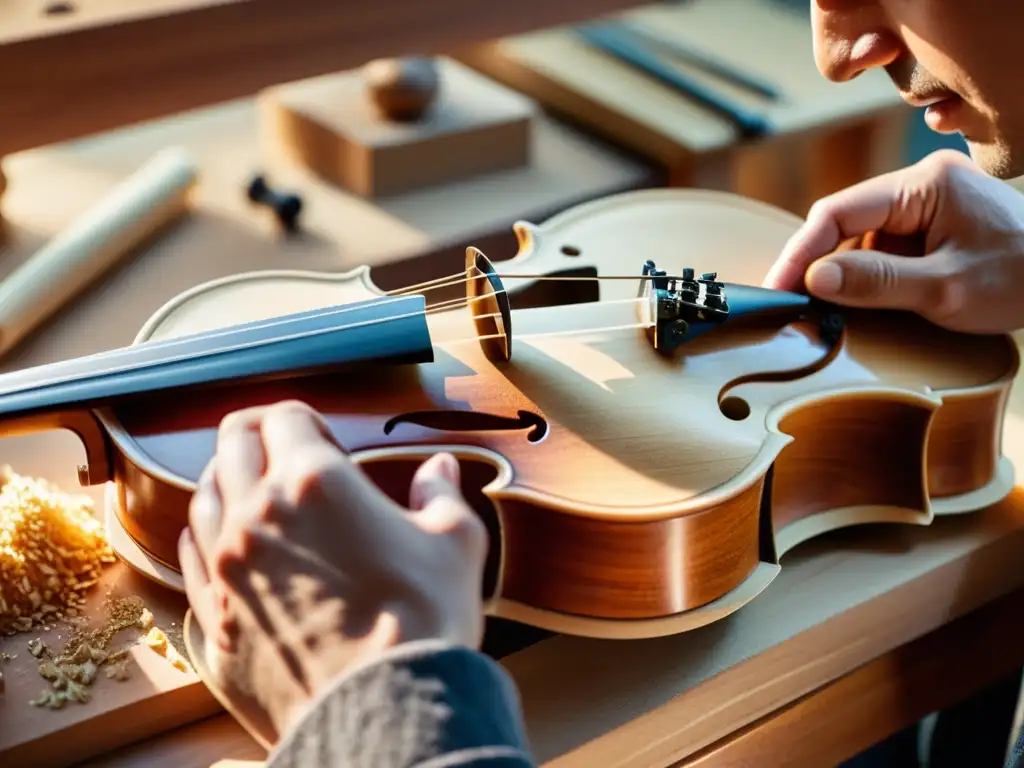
(643,452)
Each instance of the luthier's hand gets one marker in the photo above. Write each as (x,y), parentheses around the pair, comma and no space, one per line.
(298,568)
(968,226)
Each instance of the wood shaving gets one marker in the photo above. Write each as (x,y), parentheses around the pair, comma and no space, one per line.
(52,552)
(159,642)
(72,671)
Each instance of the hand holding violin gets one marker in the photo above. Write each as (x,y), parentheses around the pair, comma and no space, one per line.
(299,569)
(971,227)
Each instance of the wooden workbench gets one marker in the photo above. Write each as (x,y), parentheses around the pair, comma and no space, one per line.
(863,634)
(848,642)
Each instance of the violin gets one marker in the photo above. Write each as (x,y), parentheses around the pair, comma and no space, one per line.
(643,428)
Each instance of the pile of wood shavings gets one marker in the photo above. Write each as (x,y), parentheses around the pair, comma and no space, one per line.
(52,551)
(75,668)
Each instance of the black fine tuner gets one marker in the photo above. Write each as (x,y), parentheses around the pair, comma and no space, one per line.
(286,206)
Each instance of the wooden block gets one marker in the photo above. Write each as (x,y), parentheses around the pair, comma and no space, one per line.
(817,143)
(330,125)
(156,696)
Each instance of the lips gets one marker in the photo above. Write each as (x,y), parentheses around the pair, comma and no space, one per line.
(928,99)
(946,116)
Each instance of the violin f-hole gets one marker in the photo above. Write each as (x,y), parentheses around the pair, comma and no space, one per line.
(473,421)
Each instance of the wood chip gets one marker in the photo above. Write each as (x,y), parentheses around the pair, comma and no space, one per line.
(53,550)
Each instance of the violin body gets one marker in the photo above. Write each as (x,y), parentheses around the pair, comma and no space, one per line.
(628,492)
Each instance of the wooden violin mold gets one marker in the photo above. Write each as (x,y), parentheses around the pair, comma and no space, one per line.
(628,493)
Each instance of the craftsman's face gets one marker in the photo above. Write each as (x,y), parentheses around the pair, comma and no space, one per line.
(963,57)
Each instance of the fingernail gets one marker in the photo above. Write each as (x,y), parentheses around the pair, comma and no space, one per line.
(448,467)
(825,278)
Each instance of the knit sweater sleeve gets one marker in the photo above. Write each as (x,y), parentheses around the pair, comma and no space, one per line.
(423,705)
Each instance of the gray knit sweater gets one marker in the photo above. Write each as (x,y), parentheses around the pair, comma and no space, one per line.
(423,705)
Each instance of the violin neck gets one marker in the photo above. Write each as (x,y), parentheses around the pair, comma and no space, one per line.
(388,330)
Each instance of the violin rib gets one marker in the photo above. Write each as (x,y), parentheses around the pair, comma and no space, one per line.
(630,489)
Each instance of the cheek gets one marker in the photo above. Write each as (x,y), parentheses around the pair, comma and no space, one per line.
(965,44)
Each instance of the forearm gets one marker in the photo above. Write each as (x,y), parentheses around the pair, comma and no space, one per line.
(423,705)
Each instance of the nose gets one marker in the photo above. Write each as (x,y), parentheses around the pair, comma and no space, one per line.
(851,38)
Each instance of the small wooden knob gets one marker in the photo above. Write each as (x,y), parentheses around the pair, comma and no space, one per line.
(402,89)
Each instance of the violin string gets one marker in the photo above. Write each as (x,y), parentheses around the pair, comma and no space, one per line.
(380,321)
(498,314)
(459,278)
(439,282)
(548,334)
(459,303)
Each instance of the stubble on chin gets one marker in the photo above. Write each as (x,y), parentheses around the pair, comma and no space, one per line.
(997,159)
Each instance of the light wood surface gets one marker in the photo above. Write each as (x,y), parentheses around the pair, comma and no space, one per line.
(162,57)
(330,125)
(824,727)
(825,135)
(756,36)
(156,697)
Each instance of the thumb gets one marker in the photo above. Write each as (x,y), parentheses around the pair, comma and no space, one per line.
(879,280)
(436,499)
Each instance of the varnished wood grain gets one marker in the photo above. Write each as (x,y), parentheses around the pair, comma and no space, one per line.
(569,564)
(852,451)
(964,443)
(155,697)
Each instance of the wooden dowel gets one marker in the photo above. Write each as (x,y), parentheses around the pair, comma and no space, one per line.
(147,201)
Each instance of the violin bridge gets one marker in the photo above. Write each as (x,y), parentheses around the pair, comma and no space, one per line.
(489,306)
(679,308)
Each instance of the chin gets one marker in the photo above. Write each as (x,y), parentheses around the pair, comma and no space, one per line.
(996,159)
